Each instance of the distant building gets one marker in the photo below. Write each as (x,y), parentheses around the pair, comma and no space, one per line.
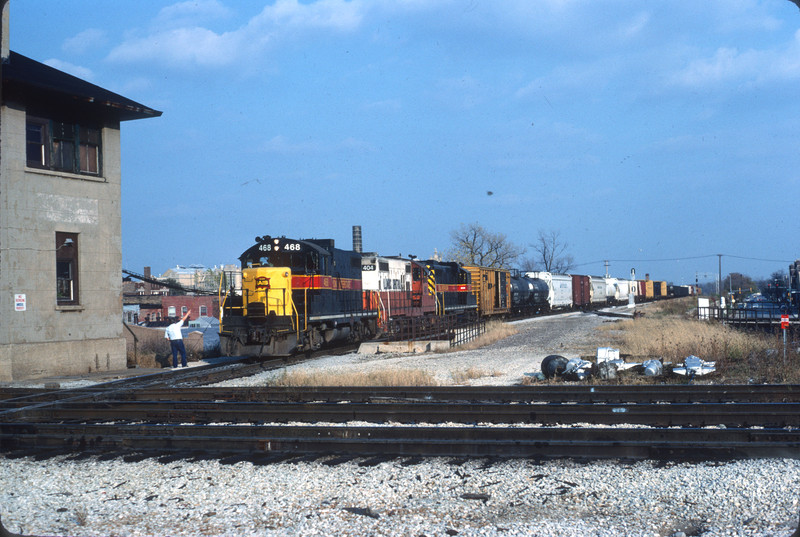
(133,287)
(197,306)
(130,313)
(60,221)
(202,277)
(149,313)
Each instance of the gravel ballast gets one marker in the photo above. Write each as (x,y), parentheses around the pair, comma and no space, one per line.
(431,497)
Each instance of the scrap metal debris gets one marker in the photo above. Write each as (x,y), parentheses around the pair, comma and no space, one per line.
(609,363)
(693,366)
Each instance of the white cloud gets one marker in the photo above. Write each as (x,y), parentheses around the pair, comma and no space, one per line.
(727,63)
(85,41)
(184,47)
(573,76)
(634,27)
(731,65)
(191,13)
(180,41)
(74,70)
(331,14)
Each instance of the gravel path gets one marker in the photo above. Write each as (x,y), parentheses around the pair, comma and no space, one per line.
(504,362)
(433,497)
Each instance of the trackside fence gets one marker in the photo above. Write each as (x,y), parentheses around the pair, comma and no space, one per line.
(763,317)
(451,328)
(466,332)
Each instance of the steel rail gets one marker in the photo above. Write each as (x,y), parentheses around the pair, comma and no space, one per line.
(667,393)
(656,415)
(635,443)
(168,380)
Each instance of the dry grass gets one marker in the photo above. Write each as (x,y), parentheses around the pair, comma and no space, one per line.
(147,347)
(389,377)
(461,377)
(150,351)
(669,331)
(495,331)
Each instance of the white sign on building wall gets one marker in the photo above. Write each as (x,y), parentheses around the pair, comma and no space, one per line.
(20,302)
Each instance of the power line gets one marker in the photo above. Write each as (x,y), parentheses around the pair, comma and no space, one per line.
(758,259)
(682,259)
(646,260)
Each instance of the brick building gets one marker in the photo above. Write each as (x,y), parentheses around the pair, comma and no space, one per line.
(197,306)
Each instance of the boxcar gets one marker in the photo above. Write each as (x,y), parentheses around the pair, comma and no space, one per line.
(492,289)
(646,289)
(660,289)
(581,291)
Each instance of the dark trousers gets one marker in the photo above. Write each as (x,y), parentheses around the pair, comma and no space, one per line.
(178,346)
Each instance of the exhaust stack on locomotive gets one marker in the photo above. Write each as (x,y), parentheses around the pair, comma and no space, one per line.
(357,239)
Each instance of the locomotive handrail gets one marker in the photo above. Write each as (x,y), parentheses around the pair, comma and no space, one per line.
(382,308)
(276,301)
(221,300)
(297,315)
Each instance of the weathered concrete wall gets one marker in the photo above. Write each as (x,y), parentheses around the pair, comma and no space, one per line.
(29,361)
(46,338)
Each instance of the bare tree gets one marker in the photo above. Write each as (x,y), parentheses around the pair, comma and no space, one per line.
(474,245)
(552,253)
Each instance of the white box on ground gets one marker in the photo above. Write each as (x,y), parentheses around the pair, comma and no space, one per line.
(606,353)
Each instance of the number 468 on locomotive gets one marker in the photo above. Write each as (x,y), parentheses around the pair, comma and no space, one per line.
(296,295)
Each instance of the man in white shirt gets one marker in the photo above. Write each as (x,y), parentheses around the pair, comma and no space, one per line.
(175,337)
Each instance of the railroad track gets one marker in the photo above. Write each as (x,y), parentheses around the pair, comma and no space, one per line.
(550,393)
(168,380)
(269,440)
(533,421)
(163,387)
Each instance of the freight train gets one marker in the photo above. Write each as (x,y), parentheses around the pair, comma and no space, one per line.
(298,295)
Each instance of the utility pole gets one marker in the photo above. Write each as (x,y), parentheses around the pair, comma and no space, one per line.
(606,263)
(719,276)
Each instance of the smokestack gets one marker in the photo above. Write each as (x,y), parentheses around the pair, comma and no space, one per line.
(147,285)
(357,239)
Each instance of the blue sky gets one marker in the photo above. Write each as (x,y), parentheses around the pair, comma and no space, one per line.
(651,134)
